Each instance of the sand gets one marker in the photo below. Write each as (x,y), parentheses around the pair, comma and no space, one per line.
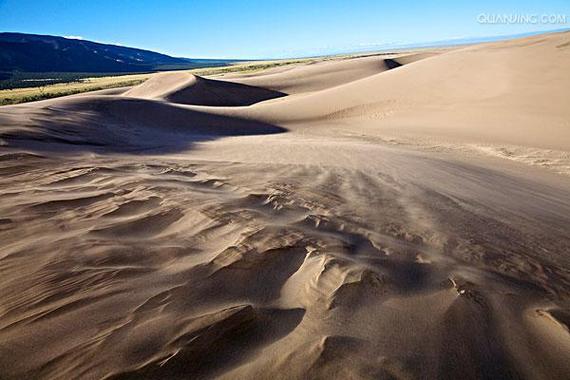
(387,217)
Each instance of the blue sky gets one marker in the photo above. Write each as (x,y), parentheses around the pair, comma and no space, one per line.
(269,29)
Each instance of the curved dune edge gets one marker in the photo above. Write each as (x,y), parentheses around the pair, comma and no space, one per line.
(195,228)
(184,88)
(303,79)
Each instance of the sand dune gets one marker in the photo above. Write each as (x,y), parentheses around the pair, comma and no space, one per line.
(318,76)
(472,94)
(186,88)
(343,219)
(120,123)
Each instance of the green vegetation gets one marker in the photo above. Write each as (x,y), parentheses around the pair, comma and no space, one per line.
(13,80)
(30,94)
(39,93)
(250,67)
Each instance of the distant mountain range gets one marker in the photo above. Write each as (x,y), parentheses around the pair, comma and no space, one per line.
(41,53)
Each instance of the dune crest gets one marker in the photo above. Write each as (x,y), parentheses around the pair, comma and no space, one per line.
(184,88)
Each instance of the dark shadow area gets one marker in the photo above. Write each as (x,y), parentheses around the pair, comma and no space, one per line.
(211,92)
(471,344)
(222,346)
(562,317)
(391,63)
(112,124)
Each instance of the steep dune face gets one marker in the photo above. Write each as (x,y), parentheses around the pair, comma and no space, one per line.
(197,228)
(161,85)
(186,88)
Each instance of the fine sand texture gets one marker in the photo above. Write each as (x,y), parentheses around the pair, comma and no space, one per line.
(381,217)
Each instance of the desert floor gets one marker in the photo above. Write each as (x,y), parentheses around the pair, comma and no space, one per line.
(401,216)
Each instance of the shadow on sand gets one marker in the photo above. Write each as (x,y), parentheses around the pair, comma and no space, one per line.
(115,124)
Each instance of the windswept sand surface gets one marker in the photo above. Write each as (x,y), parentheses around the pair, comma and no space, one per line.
(398,217)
